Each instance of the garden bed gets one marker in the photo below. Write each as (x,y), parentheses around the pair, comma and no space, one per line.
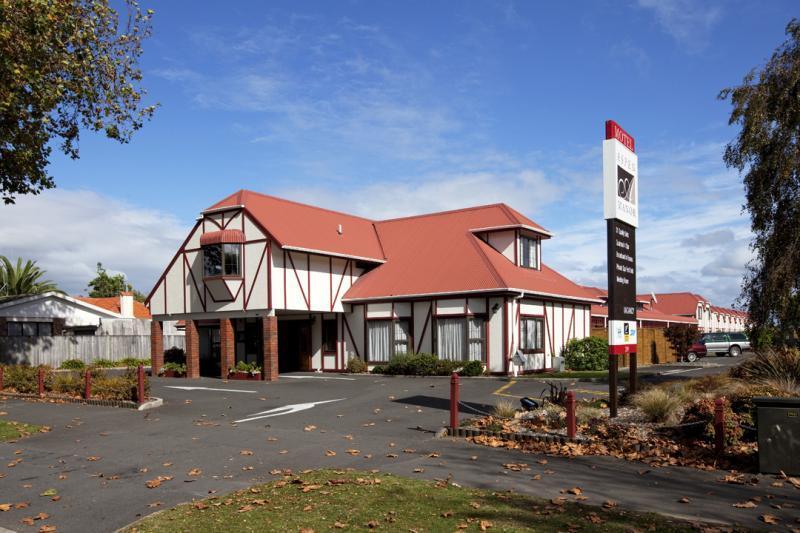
(244,376)
(120,390)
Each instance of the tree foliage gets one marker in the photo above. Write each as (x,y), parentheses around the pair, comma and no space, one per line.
(681,337)
(20,280)
(589,353)
(65,66)
(767,152)
(105,286)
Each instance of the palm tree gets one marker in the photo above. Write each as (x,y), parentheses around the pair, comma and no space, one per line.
(21,280)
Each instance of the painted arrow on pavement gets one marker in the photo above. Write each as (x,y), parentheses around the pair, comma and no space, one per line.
(285,410)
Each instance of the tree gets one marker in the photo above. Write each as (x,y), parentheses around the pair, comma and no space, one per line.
(65,66)
(21,280)
(105,286)
(767,151)
(681,337)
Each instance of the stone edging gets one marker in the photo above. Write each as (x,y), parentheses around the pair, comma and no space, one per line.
(126,404)
(553,438)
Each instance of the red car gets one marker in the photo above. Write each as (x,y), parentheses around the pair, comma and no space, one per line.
(696,350)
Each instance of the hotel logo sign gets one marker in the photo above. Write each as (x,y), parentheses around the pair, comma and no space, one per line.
(620,176)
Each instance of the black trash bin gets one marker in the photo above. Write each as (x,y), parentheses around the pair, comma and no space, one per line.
(778,435)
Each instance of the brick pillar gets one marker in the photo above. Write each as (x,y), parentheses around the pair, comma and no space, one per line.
(227,345)
(270,345)
(156,346)
(192,350)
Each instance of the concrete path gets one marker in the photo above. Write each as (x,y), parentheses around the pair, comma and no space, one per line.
(99,459)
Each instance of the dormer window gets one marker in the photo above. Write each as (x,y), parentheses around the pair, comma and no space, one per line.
(222,253)
(529,252)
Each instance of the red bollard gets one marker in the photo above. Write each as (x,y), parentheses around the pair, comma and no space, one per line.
(571,419)
(40,383)
(454,400)
(140,384)
(87,389)
(719,425)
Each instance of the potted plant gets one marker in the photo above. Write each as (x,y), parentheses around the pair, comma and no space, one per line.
(173,370)
(245,371)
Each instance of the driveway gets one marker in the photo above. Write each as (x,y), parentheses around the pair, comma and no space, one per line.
(99,459)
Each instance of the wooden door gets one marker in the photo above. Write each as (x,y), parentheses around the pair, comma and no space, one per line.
(304,346)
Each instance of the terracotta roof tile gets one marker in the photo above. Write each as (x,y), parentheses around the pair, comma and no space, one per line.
(112,304)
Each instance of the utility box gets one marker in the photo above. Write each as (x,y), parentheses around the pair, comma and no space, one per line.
(778,435)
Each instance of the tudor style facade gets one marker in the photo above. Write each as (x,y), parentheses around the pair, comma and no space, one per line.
(295,287)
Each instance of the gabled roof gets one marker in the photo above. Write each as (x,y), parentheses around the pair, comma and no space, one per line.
(676,303)
(641,314)
(12,301)
(304,227)
(438,254)
(112,304)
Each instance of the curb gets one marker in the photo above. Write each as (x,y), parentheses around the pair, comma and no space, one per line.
(552,438)
(125,404)
(152,403)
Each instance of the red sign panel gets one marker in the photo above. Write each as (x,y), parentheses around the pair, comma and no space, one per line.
(615,131)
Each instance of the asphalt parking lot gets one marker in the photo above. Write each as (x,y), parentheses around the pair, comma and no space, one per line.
(213,436)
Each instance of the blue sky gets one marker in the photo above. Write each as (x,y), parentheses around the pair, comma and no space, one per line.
(388,108)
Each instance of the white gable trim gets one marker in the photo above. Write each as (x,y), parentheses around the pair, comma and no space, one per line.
(73,301)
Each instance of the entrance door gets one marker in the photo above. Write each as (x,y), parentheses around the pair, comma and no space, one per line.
(209,351)
(294,345)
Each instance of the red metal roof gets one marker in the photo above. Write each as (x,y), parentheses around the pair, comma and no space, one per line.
(676,303)
(308,228)
(112,304)
(222,236)
(438,254)
(647,314)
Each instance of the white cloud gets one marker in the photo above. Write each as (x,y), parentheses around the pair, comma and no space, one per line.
(689,22)
(69,231)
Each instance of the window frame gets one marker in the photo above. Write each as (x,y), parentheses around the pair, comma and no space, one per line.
(37,325)
(535,243)
(223,263)
(467,339)
(540,319)
(335,336)
(392,340)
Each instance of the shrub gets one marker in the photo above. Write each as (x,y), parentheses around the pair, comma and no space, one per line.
(504,409)
(118,387)
(681,337)
(589,353)
(104,363)
(132,362)
(770,364)
(703,411)
(178,368)
(658,405)
(73,364)
(70,383)
(586,413)
(242,366)
(378,369)
(471,368)
(356,366)
(21,378)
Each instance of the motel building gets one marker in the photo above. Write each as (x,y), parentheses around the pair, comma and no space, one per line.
(294,287)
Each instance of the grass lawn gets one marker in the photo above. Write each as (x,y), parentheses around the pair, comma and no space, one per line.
(325,500)
(14,430)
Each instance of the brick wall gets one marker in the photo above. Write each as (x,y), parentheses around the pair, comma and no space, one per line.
(270,344)
(192,350)
(227,345)
(156,346)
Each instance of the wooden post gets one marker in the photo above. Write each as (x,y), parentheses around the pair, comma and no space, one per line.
(140,384)
(612,385)
(87,381)
(719,425)
(40,379)
(632,364)
(571,419)
(454,400)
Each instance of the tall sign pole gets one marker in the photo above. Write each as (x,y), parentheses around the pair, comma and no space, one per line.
(621,211)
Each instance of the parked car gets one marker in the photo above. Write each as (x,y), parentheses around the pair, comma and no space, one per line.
(696,350)
(731,344)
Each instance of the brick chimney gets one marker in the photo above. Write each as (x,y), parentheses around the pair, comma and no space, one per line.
(126,304)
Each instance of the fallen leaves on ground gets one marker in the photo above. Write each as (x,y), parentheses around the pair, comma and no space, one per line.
(749,504)
(329,453)
(156,482)
(246,452)
(769,519)
(194,472)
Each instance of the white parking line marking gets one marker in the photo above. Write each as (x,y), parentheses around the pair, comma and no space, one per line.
(318,377)
(209,388)
(285,410)
(678,371)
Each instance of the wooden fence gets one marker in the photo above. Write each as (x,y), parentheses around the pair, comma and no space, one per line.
(652,347)
(55,350)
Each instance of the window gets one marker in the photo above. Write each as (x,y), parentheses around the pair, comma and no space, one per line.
(530,252)
(461,339)
(531,335)
(329,336)
(386,338)
(30,329)
(222,260)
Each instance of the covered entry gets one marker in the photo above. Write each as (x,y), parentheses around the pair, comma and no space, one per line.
(294,344)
